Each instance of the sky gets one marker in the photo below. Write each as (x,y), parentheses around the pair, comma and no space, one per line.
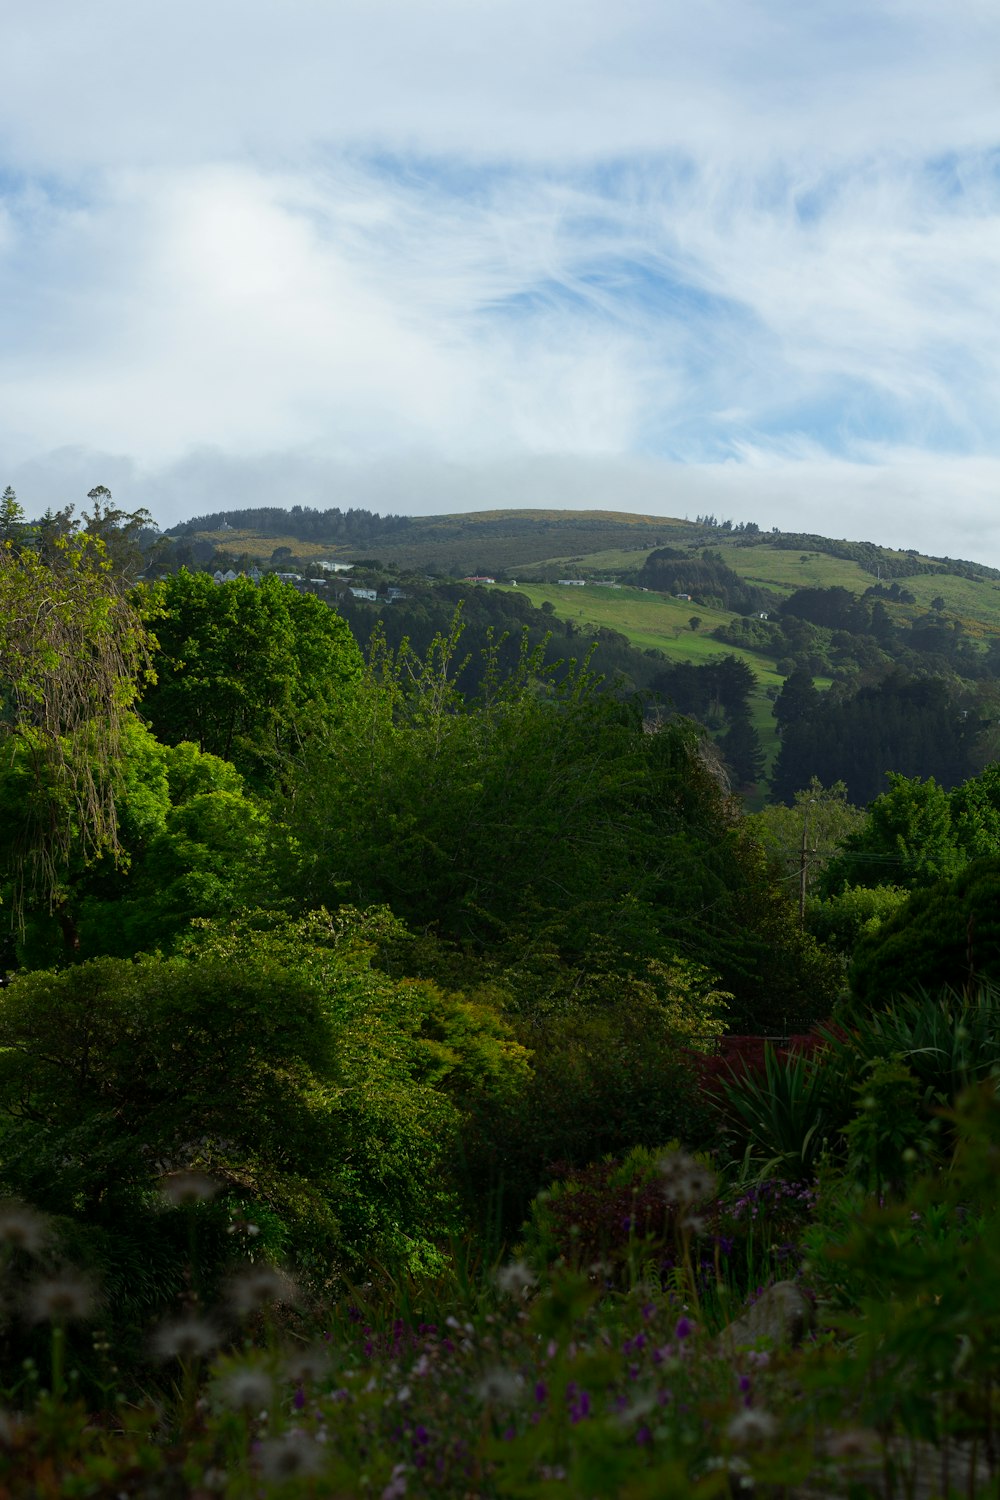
(738,257)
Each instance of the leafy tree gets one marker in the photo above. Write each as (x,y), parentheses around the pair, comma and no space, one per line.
(540,821)
(334,1104)
(908,839)
(114,1072)
(913,726)
(947,934)
(858,911)
(193,844)
(73,652)
(245,670)
(833,608)
(122,533)
(975,813)
(802,839)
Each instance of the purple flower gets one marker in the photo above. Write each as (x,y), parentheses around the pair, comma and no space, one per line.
(643,1437)
(299,1399)
(541,1391)
(580,1408)
(684,1328)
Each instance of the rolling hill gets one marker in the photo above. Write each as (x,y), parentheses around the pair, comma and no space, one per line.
(928,606)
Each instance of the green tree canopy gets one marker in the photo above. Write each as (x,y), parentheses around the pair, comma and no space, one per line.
(541,818)
(947,934)
(193,843)
(324,1095)
(73,652)
(245,669)
(908,839)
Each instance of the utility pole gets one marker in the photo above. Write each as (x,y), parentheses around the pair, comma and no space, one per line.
(803,862)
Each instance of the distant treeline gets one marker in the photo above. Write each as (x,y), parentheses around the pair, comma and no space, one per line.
(868,555)
(303,522)
(706,578)
(496,620)
(915,726)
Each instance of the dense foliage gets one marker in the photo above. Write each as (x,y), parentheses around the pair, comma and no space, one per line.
(244,670)
(706,578)
(369,969)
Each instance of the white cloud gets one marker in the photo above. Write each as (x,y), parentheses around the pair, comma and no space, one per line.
(744,249)
(118,82)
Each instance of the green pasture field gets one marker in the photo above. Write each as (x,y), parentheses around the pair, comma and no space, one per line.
(612,561)
(252,544)
(654,620)
(649,619)
(977,605)
(784,571)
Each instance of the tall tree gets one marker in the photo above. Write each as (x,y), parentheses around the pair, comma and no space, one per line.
(908,839)
(542,820)
(12,517)
(121,532)
(72,654)
(244,669)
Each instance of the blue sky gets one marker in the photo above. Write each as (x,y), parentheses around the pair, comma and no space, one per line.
(432,255)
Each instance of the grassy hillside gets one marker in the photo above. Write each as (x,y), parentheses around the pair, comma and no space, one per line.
(539,546)
(653,620)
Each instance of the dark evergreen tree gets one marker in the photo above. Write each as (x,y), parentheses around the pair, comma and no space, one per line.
(798,700)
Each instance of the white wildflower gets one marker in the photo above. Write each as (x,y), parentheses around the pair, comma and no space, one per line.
(396,1488)
(515,1278)
(184,1338)
(751,1426)
(290,1456)
(23,1228)
(67,1298)
(854,1443)
(260,1287)
(685,1180)
(180,1189)
(247,1388)
(499,1386)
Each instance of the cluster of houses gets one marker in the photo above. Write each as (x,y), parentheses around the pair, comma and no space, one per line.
(392,594)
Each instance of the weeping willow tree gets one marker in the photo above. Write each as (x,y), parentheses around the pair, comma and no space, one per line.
(73,654)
